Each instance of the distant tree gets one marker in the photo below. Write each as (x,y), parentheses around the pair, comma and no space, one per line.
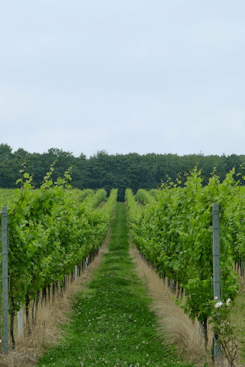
(5,152)
(20,153)
(112,171)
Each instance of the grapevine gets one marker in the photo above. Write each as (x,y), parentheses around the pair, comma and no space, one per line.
(175,234)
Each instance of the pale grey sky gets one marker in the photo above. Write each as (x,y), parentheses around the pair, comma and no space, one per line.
(123,76)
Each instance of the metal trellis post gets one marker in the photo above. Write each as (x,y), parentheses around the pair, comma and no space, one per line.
(5,277)
(216,269)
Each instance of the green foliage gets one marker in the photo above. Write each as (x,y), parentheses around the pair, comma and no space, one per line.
(84,194)
(112,171)
(7,196)
(135,212)
(175,235)
(144,197)
(51,231)
(96,199)
(154,193)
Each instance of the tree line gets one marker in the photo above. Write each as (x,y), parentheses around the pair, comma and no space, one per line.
(106,171)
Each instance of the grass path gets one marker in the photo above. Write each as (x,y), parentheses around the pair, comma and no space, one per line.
(111,323)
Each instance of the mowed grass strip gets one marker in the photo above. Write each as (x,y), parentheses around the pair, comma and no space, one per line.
(111,324)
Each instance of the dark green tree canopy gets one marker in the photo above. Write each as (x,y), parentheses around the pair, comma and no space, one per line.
(112,171)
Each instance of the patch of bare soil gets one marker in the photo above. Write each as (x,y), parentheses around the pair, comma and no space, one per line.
(46,332)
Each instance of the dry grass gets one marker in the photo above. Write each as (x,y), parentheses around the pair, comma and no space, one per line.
(180,330)
(46,332)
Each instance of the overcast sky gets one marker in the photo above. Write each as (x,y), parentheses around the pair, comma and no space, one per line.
(144,76)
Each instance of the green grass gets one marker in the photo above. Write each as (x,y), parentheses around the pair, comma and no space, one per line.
(111,324)
(238,319)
